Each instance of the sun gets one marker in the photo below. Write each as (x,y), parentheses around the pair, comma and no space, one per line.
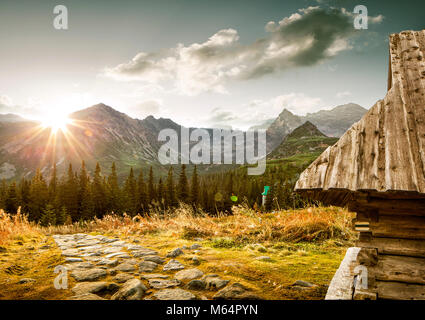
(55,122)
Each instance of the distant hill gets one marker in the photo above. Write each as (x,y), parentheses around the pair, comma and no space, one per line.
(303,140)
(11,117)
(332,122)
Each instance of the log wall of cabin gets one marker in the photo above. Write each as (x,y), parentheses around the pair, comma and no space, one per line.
(392,238)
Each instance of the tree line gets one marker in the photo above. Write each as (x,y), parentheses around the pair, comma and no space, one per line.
(78,196)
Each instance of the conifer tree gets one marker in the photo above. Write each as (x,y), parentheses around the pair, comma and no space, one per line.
(24,191)
(183,186)
(3,193)
(130,194)
(48,216)
(194,188)
(151,187)
(53,183)
(171,200)
(38,196)
(161,194)
(142,202)
(70,194)
(11,203)
(115,198)
(98,193)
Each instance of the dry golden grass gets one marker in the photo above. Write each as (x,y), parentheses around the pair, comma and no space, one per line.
(245,225)
(15,225)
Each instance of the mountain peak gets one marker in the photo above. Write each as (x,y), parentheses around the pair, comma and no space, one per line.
(307,129)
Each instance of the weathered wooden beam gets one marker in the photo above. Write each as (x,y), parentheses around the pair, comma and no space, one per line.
(400,291)
(391,246)
(399,268)
(404,227)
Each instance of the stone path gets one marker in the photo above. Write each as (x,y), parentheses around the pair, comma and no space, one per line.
(108,268)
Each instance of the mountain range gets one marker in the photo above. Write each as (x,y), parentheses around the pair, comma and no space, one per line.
(105,135)
(333,122)
(304,139)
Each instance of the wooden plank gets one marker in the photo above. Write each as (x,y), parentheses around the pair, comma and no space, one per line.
(400,291)
(398,247)
(400,269)
(389,206)
(404,227)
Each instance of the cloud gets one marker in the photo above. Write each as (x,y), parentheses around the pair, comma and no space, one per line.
(305,38)
(6,104)
(145,108)
(343,94)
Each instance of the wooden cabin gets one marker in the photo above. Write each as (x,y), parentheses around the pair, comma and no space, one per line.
(377,170)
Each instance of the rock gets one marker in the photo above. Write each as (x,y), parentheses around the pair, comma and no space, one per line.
(156,259)
(302,283)
(174,294)
(89,287)
(154,276)
(122,277)
(86,296)
(195,246)
(70,253)
(175,253)
(214,282)
(119,243)
(235,291)
(196,251)
(109,250)
(147,266)
(72,259)
(126,267)
(173,265)
(88,275)
(26,280)
(107,262)
(118,255)
(144,252)
(264,258)
(162,284)
(196,285)
(133,289)
(195,261)
(185,247)
(82,265)
(188,274)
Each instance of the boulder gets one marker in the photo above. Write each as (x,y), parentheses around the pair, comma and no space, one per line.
(235,291)
(174,294)
(214,282)
(147,266)
(175,253)
(162,284)
(173,265)
(88,275)
(188,274)
(133,289)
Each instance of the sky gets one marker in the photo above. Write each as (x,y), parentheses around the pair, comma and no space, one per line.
(234,63)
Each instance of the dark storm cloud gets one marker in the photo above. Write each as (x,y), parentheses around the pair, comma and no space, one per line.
(305,38)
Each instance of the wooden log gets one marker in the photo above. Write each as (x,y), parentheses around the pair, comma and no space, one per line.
(400,269)
(399,207)
(407,227)
(400,291)
(391,246)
